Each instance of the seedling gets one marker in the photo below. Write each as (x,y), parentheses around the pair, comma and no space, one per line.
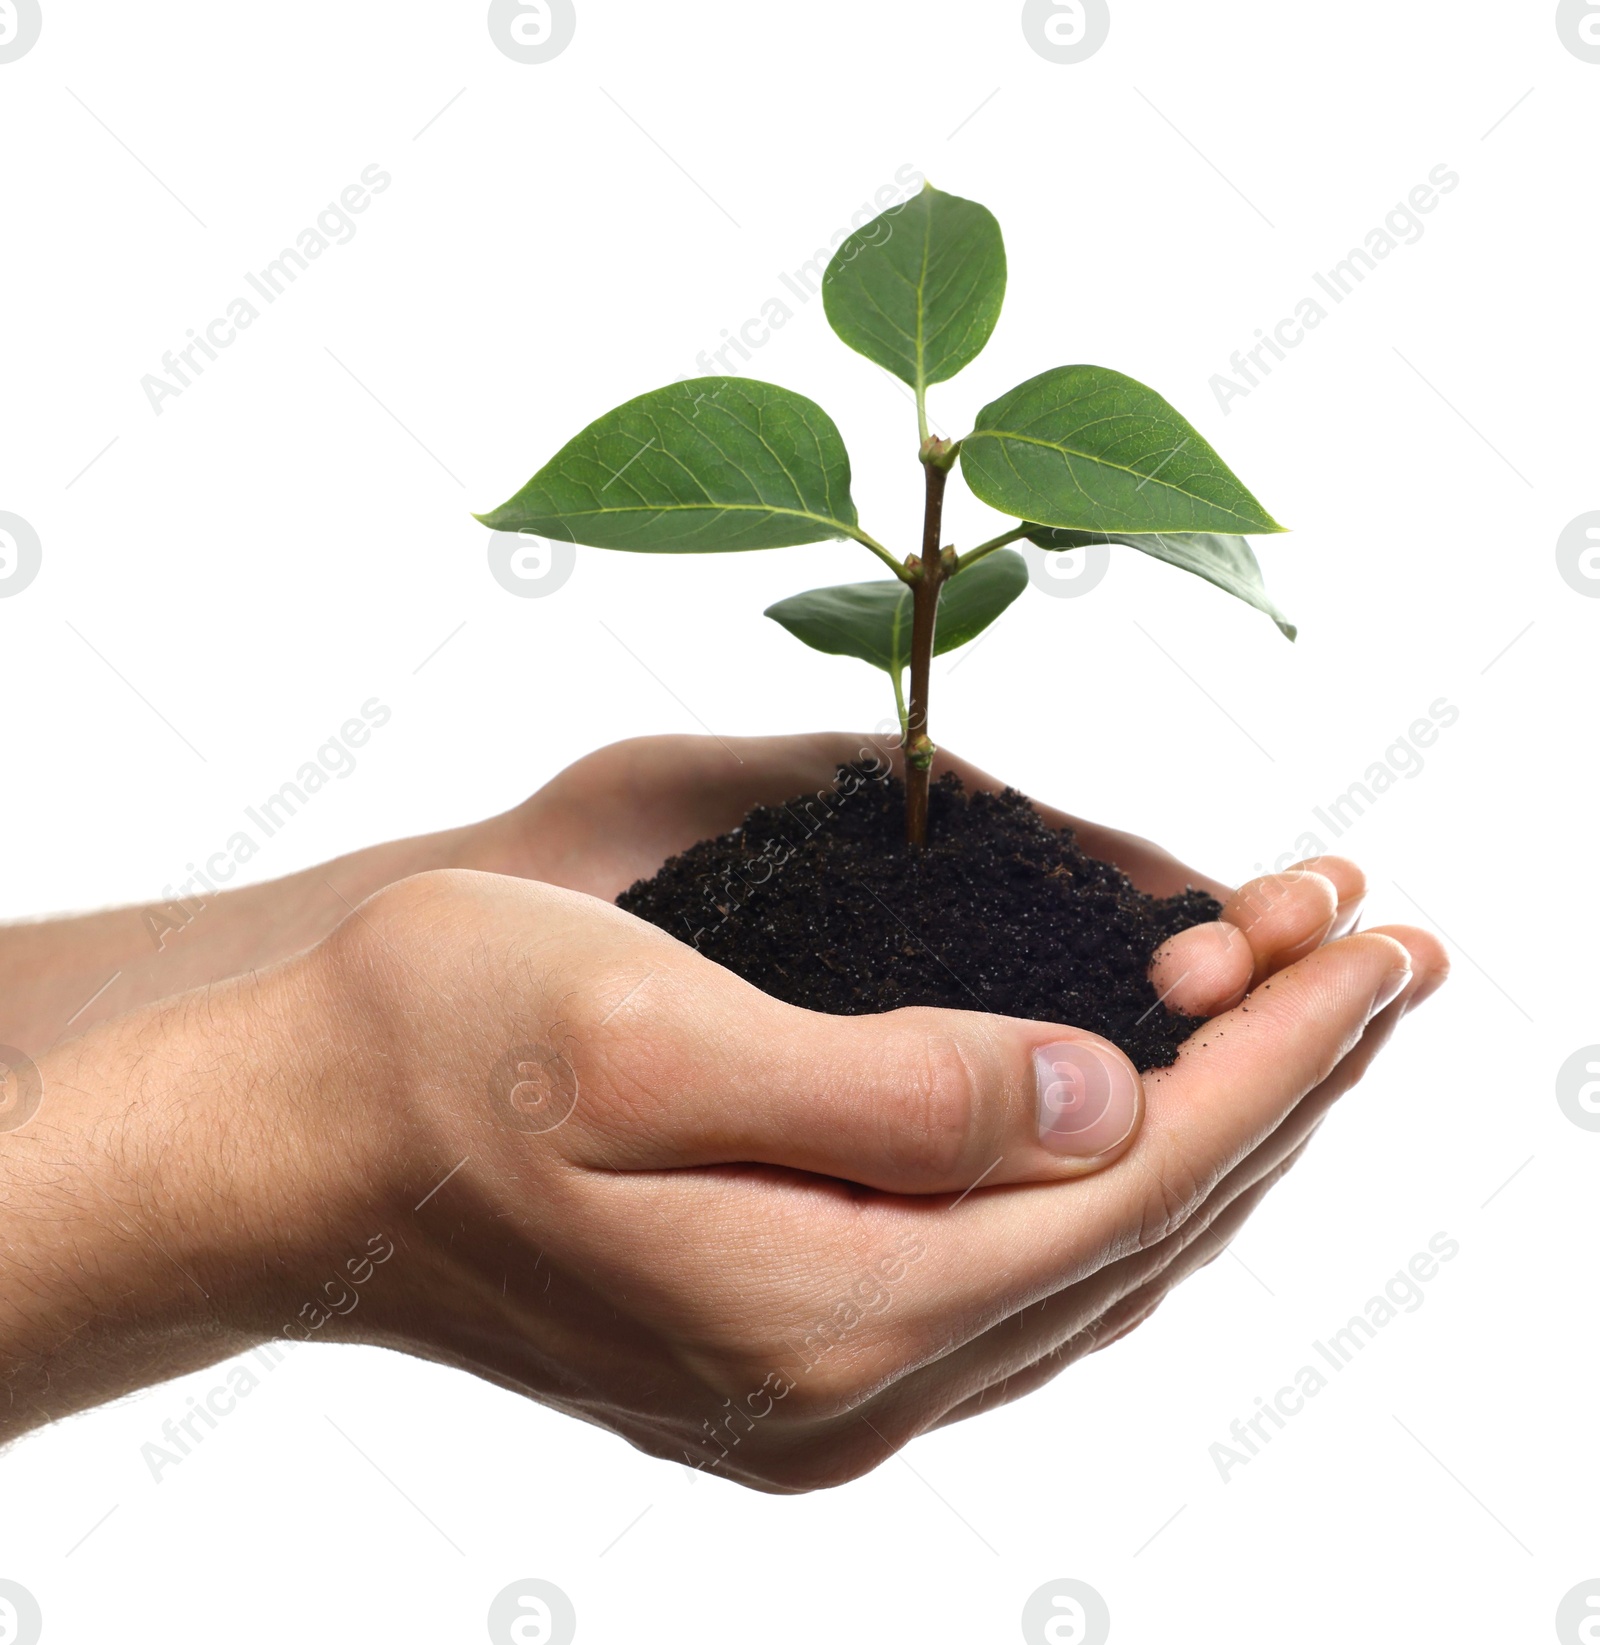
(1076,455)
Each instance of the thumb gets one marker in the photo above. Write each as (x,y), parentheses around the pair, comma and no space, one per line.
(914,1101)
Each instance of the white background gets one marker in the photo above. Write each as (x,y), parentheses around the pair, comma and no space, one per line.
(276,548)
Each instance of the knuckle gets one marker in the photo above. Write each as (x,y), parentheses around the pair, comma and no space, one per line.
(433,912)
(430,894)
(367,950)
(929,1136)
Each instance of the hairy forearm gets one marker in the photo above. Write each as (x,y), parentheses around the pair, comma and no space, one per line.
(61,977)
(181,1171)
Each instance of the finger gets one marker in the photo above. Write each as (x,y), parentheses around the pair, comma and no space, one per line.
(1349,882)
(1429,957)
(1283,917)
(1190,1255)
(1016,1340)
(915,1101)
(1091,1315)
(1082,1310)
(1234,1083)
(1265,925)
(1130,1312)
(1203,970)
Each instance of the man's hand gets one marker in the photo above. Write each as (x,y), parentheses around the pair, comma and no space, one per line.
(621,1181)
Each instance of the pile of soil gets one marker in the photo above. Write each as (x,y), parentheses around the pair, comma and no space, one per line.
(819,902)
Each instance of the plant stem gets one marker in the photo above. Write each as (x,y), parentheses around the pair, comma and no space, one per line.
(924,620)
(883,554)
(973,555)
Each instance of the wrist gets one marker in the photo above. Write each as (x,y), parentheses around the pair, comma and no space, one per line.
(53,973)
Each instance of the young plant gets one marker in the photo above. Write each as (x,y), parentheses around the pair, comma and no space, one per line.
(1076,455)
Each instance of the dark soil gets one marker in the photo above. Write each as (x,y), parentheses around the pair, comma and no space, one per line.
(819,903)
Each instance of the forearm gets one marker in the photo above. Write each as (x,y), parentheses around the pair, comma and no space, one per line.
(60,977)
(182,1172)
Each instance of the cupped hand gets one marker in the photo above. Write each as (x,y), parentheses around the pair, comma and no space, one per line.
(760,1240)
(616,815)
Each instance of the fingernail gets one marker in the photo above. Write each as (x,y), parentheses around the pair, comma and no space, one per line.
(1088,1098)
(1344,922)
(1389,990)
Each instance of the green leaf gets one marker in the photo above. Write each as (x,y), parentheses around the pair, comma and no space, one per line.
(1092,450)
(709,465)
(919,289)
(1226,561)
(872,621)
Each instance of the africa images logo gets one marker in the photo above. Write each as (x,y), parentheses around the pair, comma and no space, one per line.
(532,31)
(20,23)
(21,554)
